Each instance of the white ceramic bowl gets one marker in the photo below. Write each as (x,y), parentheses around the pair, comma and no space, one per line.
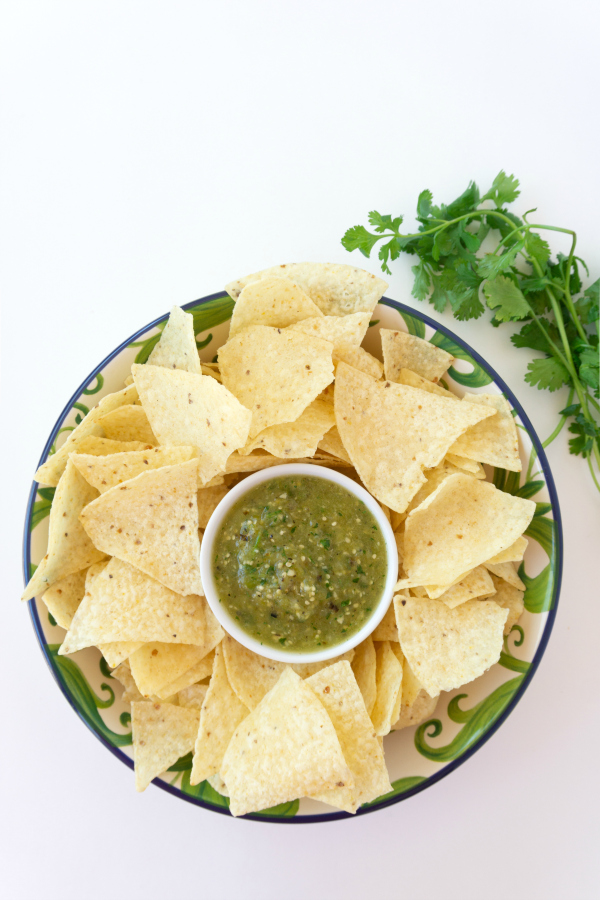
(214,526)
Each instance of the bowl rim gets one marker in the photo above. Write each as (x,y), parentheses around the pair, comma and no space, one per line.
(211,591)
(449,767)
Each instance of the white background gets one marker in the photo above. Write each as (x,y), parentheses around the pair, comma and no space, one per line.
(152,151)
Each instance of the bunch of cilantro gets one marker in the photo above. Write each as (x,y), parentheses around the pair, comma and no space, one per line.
(517,279)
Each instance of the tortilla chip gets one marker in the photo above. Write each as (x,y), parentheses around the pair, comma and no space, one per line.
(197,673)
(152,523)
(510,598)
(421,709)
(69,547)
(99,446)
(462,524)
(340,330)
(252,676)
(296,439)
(128,423)
(386,630)
(332,443)
(514,553)
(217,783)
(392,431)
(104,472)
(275,373)
(406,351)
(192,697)
(364,666)
(123,675)
(406,376)
(466,465)
(126,605)
(208,500)
(212,371)
(336,289)
(507,572)
(177,348)
(447,648)
(63,598)
(389,688)
(161,734)
(193,411)
(259,460)
(157,665)
(221,713)
(358,358)
(273,301)
(411,686)
(494,441)
(286,748)
(336,688)
(50,471)
(115,653)
(477,584)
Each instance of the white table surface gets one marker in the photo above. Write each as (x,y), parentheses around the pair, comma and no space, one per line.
(153,151)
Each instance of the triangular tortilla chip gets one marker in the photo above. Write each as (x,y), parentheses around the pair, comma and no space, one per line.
(494,441)
(221,714)
(52,469)
(332,443)
(465,465)
(339,693)
(260,459)
(177,348)
(340,330)
(407,376)
(358,358)
(406,351)
(286,748)
(63,598)
(192,697)
(193,410)
(337,290)
(386,630)
(275,373)
(161,734)
(152,522)
(508,597)
(99,446)
(447,648)
(208,500)
(478,583)
(114,652)
(156,664)
(364,666)
(416,704)
(273,301)
(69,547)
(389,689)
(128,423)
(392,431)
(506,571)
(197,673)
(461,525)
(104,472)
(514,553)
(296,439)
(126,605)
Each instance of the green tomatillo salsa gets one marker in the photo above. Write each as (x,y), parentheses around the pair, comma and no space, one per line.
(300,562)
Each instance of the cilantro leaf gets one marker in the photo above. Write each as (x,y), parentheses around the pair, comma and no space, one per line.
(531,336)
(358,238)
(548,374)
(589,364)
(424,204)
(537,248)
(422,284)
(503,296)
(504,189)
(588,306)
(468,200)
(492,265)
(382,223)
(586,432)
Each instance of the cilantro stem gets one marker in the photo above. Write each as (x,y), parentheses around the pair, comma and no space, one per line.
(553,436)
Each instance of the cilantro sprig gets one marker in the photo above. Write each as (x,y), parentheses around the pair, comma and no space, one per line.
(515,276)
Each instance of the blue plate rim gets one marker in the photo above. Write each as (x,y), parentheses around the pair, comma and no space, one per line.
(451,766)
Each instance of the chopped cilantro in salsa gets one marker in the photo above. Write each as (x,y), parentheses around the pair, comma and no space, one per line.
(300,562)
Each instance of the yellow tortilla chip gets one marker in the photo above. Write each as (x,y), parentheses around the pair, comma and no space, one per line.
(217,783)
(69,547)
(359,358)
(197,673)
(126,605)
(447,648)
(157,665)
(411,686)
(192,697)
(337,290)
(332,443)
(152,523)
(364,666)
(99,446)
(478,583)
(462,524)
(406,351)
(252,676)
(386,630)
(273,301)
(177,348)
(194,411)
(508,597)
(221,713)
(63,598)
(212,371)
(286,748)
(494,441)
(162,733)
(208,500)
(506,571)
(514,553)
(466,465)
(389,688)
(406,376)
(115,653)
(419,711)
(259,460)
(52,469)
(340,330)
(275,373)
(296,439)
(128,423)
(336,688)
(104,472)
(123,675)
(391,432)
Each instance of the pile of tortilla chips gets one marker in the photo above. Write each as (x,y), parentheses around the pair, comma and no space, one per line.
(138,479)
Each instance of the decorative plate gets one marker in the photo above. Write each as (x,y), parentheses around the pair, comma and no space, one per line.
(417,757)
